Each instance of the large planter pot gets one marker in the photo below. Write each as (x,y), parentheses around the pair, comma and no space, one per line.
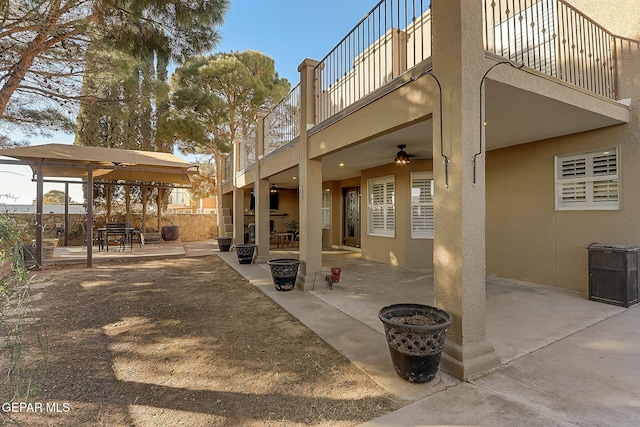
(170,233)
(245,253)
(284,272)
(415,334)
(224,243)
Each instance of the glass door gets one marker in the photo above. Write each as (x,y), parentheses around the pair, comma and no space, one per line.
(351,216)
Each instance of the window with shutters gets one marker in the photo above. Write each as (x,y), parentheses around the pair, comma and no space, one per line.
(381,206)
(588,181)
(326,209)
(422,205)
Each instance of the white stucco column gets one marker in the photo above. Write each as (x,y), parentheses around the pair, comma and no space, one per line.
(310,190)
(238,216)
(459,238)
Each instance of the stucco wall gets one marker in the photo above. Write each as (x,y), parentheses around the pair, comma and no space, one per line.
(401,250)
(287,210)
(193,227)
(526,238)
(621,17)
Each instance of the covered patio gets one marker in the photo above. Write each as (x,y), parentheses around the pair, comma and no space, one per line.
(74,164)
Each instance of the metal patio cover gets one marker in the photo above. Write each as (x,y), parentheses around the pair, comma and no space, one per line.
(65,160)
(76,161)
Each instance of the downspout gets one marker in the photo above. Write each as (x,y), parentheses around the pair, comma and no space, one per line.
(445,159)
(475,156)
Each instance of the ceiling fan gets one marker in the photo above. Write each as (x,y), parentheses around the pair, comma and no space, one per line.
(402,157)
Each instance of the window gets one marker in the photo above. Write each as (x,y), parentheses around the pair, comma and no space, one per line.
(382,218)
(588,181)
(422,205)
(326,209)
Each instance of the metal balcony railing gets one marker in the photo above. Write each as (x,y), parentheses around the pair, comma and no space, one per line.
(248,148)
(282,123)
(549,36)
(392,38)
(554,38)
(228,167)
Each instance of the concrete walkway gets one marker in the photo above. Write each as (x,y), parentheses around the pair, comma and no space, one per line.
(566,361)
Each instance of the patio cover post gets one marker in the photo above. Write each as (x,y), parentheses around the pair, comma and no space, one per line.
(459,236)
(89,229)
(66,214)
(159,203)
(39,215)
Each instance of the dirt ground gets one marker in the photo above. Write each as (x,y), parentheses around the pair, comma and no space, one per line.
(185,342)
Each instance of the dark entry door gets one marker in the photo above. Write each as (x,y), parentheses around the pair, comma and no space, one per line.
(351,216)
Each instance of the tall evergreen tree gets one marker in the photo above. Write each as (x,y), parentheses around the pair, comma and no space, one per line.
(215,100)
(43,45)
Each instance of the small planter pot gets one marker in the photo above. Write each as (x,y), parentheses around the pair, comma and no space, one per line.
(151,238)
(415,335)
(29,254)
(224,243)
(284,272)
(170,233)
(245,253)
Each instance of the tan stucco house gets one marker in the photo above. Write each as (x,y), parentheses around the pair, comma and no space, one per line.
(520,123)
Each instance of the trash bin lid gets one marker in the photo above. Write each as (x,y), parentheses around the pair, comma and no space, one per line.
(613,248)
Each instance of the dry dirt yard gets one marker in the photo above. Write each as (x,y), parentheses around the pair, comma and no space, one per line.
(186,342)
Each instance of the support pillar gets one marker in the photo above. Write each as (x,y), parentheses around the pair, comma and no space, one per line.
(459,208)
(238,216)
(261,192)
(310,190)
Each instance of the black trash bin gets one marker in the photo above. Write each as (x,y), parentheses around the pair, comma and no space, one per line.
(613,274)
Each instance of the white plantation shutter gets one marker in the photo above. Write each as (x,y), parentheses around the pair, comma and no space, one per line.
(326,209)
(421,205)
(382,218)
(588,181)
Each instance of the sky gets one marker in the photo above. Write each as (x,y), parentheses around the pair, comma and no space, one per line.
(286,30)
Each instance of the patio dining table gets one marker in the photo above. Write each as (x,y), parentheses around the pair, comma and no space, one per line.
(125,234)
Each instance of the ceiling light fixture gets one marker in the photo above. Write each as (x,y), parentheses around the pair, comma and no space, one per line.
(402,158)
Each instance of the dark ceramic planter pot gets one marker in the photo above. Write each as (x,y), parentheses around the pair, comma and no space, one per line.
(224,243)
(245,253)
(170,233)
(415,335)
(284,272)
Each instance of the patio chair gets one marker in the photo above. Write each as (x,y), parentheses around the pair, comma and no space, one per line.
(116,233)
(94,239)
(136,236)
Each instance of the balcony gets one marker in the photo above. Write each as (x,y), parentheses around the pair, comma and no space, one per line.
(550,39)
